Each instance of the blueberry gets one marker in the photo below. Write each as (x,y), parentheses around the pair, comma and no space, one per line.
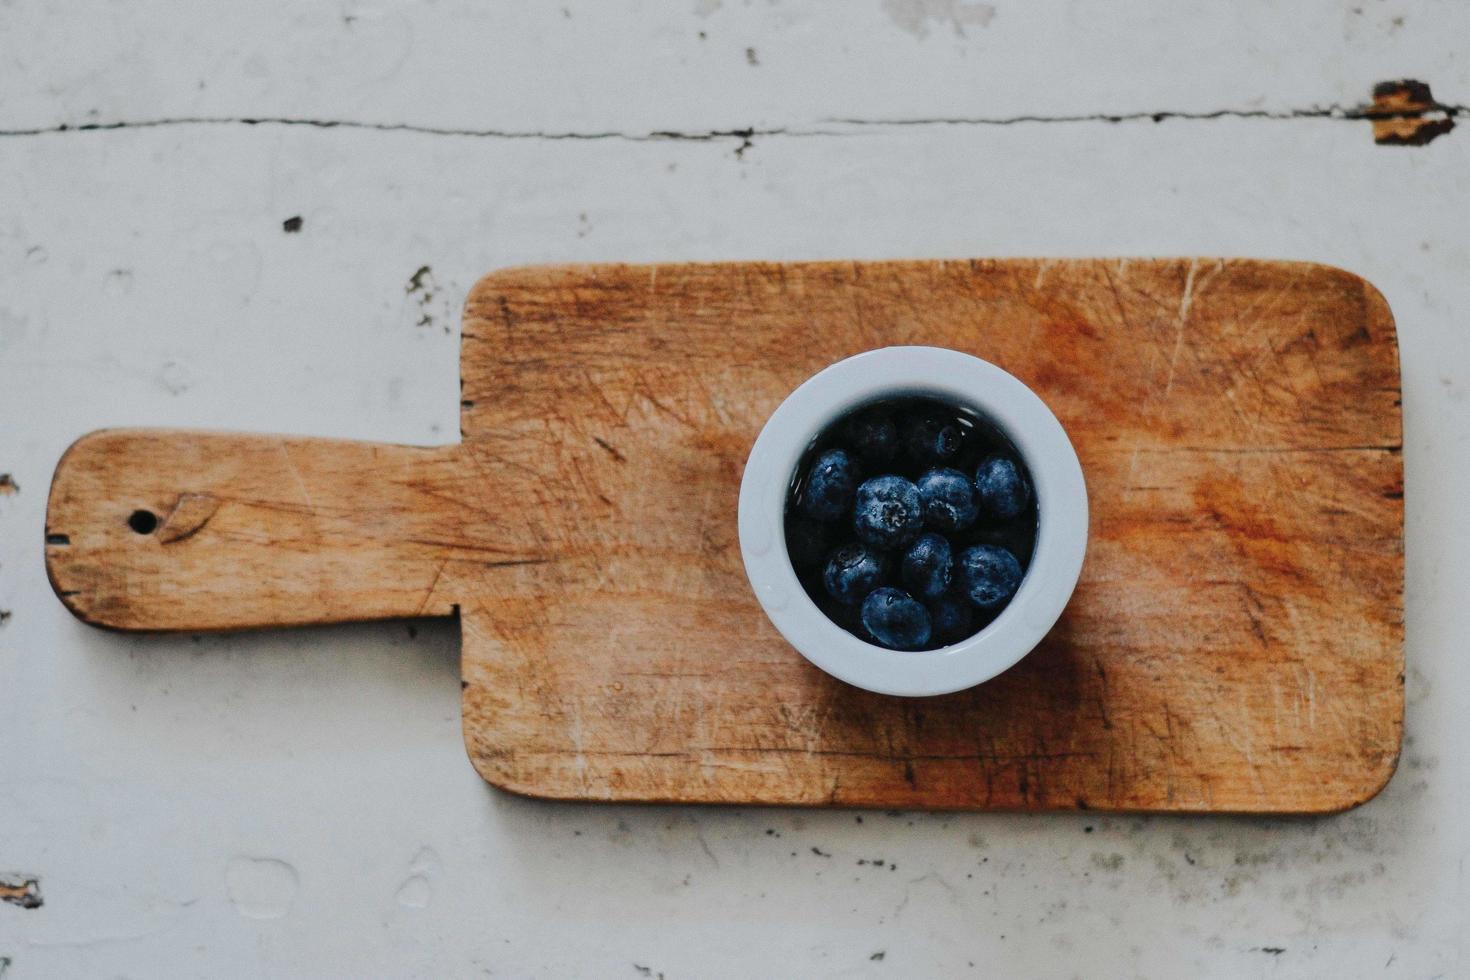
(1002,487)
(852,572)
(896,619)
(829,486)
(949,500)
(872,435)
(928,566)
(952,617)
(887,513)
(807,541)
(988,575)
(929,439)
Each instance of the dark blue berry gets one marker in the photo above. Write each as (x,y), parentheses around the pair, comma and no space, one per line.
(872,435)
(852,572)
(988,575)
(928,439)
(829,486)
(896,619)
(887,513)
(949,500)
(952,617)
(1002,487)
(807,541)
(928,566)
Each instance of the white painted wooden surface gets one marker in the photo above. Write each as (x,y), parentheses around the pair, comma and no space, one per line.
(298,804)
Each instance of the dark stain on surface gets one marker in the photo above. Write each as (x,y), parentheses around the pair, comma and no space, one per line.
(612,450)
(292,224)
(750,57)
(22,890)
(422,283)
(1406,113)
(8,485)
(5,615)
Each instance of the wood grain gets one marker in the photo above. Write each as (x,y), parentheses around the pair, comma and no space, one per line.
(1235,643)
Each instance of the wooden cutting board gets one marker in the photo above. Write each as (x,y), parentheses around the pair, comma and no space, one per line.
(1235,643)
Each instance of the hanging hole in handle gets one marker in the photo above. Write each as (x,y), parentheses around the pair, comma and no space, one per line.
(143,521)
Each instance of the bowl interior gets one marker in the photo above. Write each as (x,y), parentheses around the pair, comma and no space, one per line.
(983,437)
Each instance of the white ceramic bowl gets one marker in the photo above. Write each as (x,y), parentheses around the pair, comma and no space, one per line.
(1061,496)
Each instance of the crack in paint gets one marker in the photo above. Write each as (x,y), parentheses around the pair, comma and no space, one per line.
(696,136)
(1403,112)
(747,134)
(1333,112)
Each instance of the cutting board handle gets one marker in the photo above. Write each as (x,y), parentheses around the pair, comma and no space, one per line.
(173,530)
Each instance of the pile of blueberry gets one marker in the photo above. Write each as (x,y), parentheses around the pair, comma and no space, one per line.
(910,522)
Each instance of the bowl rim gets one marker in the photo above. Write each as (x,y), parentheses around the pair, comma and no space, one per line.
(1057,479)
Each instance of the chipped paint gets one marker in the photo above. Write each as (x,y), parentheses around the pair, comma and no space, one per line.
(21,889)
(1406,113)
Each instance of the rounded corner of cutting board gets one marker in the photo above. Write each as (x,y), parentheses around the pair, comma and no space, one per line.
(502,778)
(1378,308)
(1350,796)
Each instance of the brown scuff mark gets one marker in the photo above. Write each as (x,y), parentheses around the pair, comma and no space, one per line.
(189,515)
(8,485)
(22,890)
(1406,113)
